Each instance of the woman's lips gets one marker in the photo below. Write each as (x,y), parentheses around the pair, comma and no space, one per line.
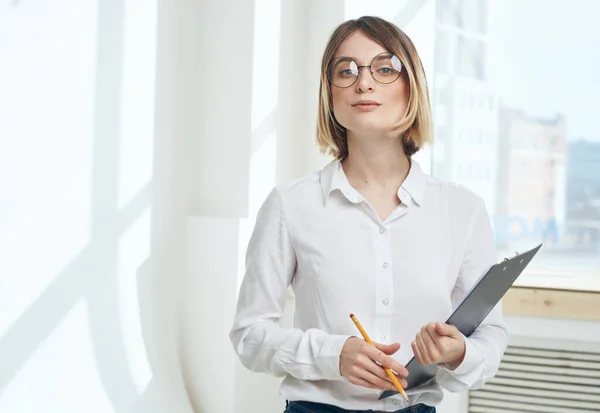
(366,106)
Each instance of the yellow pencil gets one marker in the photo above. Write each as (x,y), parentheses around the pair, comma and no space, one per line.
(389,372)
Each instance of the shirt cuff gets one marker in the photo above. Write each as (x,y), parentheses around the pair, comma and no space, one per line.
(328,360)
(473,358)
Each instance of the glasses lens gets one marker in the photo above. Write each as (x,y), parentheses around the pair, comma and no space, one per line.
(386,68)
(343,72)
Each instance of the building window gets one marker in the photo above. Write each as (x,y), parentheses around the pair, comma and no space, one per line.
(535,171)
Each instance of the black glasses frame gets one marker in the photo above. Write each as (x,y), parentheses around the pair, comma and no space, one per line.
(360,67)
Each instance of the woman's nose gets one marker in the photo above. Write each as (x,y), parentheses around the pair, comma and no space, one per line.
(365,80)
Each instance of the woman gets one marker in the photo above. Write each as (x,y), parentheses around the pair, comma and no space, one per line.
(370,234)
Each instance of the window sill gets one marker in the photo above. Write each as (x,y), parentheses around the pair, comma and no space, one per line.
(552,303)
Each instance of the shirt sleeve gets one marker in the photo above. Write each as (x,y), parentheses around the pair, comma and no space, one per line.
(258,340)
(486,346)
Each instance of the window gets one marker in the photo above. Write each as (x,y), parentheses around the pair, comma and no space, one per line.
(469,61)
(541,156)
(442,51)
(472,12)
(449,13)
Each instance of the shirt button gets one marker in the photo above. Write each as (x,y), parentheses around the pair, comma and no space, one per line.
(385,265)
(385,302)
(383,338)
(381,230)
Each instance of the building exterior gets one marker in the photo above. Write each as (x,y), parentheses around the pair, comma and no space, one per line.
(466,106)
(583,195)
(530,178)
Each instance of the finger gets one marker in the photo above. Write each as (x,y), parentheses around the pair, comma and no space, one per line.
(388,362)
(374,381)
(399,376)
(431,329)
(379,371)
(423,348)
(417,352)
(434,352)
(364,383)
(429,334)
(372,366)
(403,383)
(388,349)
(360,382)
(384,384)
(447,330)
(432,339)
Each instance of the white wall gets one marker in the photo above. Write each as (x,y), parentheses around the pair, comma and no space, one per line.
(92,210)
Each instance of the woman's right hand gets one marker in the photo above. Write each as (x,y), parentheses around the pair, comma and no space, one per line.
(359,364)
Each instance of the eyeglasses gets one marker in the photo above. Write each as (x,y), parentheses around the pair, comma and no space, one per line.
(385,68)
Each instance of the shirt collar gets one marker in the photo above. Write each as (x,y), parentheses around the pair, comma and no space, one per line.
(415,183)
(333,178)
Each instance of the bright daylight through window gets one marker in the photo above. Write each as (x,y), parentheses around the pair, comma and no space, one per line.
(518,121)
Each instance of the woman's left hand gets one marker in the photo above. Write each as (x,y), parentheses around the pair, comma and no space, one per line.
(439,343)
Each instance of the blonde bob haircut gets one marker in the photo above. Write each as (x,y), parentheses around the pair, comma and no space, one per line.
(415,128)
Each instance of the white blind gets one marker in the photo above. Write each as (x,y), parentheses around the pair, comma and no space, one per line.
(543,379)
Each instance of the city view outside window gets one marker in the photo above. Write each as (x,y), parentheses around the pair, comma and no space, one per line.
(517,120)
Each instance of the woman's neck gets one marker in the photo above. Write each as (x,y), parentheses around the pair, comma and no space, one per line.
(376,160)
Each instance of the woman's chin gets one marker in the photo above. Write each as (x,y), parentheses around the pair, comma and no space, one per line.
(370,129)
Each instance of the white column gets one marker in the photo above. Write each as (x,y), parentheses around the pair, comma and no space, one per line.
(213,44)
(292,135)
(215,94)
(322,18)
(170,200)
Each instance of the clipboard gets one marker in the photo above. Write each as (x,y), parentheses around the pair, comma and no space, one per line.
(479,302)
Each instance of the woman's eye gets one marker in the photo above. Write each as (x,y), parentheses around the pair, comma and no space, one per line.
(385,71)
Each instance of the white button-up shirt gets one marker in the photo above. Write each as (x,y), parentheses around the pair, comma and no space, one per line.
(320,236)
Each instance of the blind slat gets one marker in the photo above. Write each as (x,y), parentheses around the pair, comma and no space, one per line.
(551,370)
(554,400)
(490,409)
(549,386)
(552,378)
(538,393)
(585,365)
(553,354)
(506,405)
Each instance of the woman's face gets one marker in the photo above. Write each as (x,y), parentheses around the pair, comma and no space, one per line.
(368,107)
